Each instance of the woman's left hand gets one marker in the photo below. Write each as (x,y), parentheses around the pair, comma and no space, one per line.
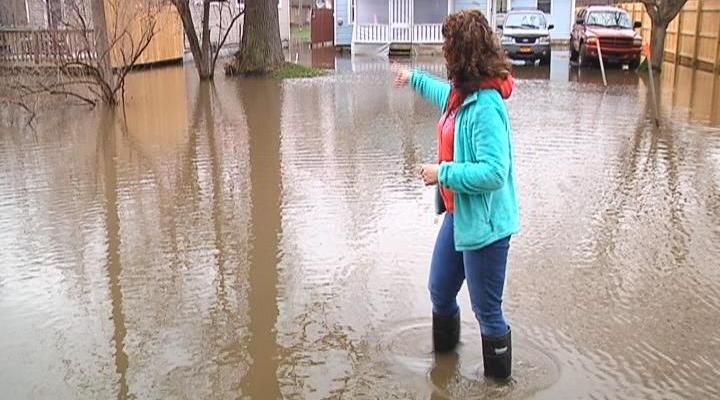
(429,173)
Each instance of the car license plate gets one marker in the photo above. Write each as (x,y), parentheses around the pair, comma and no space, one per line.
(526,49)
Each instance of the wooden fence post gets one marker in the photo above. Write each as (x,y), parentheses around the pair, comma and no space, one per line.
(678,36)
(716,62)
(698,22)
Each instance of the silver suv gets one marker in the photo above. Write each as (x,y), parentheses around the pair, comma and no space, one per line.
(526,35)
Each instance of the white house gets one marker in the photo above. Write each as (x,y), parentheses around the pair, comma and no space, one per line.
(411,22)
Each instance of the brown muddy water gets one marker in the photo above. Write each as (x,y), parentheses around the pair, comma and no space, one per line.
(265,240)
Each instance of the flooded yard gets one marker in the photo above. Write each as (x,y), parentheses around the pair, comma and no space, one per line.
(257,239)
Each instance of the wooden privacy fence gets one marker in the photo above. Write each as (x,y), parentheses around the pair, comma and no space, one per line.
(45,47)
(693,37)
(322,27)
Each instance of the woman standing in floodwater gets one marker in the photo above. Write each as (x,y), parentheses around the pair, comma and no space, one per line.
(476,182)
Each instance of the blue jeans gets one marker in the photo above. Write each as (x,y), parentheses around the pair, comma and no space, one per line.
(484,270)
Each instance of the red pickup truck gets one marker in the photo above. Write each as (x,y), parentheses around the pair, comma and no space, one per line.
(610,29)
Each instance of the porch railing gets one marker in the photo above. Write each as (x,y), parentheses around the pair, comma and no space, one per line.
(379,33)
(427,33)
(371,33)
(25,47)
(361,65)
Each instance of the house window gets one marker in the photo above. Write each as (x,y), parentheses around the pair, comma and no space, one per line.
(13,13)
(373,12)
(545,6)
(54,13)
(429,11)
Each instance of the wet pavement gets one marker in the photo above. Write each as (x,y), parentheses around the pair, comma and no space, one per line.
(256,239)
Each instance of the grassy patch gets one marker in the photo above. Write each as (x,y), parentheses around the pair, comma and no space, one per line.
(290,71)
(286,71)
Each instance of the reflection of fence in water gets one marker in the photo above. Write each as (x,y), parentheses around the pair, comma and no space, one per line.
(693,90)
(369,64)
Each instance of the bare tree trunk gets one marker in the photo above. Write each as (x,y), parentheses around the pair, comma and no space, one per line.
(204,56)
(661,12)
(205,72)
(102,48)
(657,45)
(261,50)
(199,53)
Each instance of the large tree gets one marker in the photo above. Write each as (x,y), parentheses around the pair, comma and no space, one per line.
(661,12)
(261,50)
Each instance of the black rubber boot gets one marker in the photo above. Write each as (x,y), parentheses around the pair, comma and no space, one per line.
(446,332)
(497,356)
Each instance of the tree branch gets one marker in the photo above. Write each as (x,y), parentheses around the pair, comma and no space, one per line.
(672,8)
(651,7)
(224,39)
(87,100)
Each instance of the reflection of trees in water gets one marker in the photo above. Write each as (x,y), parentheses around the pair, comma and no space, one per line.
(114,265)
(60,212)
(262,102)
(218,194)
(671,157)
(222,317)
(636,178)
(647,206)
(332,135)
(641,269)
(180,202)
(323,171)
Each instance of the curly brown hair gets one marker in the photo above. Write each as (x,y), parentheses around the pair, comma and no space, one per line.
(472,51)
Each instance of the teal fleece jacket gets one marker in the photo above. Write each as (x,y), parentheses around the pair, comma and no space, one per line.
(481,175)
